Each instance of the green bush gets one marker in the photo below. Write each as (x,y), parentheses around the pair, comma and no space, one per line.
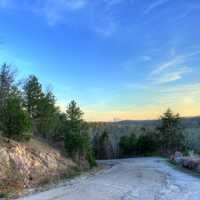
(128,145)
(146,144)
(91,158)
(15,122)
(2,195)
(73,143)
(167,138)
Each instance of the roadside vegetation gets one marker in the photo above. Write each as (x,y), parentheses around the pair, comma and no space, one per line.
(27,111)
(169,137)
(162,137)
(166,139)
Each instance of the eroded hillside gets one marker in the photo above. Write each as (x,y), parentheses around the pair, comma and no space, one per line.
(25,165)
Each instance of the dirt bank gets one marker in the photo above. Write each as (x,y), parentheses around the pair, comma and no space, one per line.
(25,165)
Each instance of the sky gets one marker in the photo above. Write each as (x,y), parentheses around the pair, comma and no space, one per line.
(119,59)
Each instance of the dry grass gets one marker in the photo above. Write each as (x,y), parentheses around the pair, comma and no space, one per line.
(32,164)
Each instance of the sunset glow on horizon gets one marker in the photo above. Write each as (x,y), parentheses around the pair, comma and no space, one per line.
(119,59)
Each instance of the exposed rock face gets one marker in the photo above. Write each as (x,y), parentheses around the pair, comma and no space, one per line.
(30,164)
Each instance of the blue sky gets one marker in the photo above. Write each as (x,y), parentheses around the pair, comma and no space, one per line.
(119,59)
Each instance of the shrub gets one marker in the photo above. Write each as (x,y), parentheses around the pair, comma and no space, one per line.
(15,120)
(146,144)
(2,195)
(128,145)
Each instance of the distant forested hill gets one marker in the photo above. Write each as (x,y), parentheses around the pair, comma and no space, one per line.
(189,122)
(115,130)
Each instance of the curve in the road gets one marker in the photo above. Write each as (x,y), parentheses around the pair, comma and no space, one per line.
(128,179)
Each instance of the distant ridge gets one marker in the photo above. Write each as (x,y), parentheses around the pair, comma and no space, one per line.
(188,122)
(137,122)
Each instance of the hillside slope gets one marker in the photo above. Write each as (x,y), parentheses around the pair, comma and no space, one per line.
(25,165)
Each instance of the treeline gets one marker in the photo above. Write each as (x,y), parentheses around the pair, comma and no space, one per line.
(165,138)
(26,111)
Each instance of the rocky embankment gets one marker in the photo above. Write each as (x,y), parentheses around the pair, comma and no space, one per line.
(25,165)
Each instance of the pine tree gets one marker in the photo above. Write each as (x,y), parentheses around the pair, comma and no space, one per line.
(77,140)
(33,95)
(32,100)
(47,115)
(7,77)
(74,128)
(15,120)
(171,132)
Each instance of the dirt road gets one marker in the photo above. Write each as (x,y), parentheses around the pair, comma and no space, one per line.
(128,179)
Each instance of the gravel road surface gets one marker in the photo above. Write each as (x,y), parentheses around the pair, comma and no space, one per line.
(127,179)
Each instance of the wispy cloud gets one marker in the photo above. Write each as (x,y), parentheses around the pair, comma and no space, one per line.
(55,11)
(72,4)
(183,89)
(95,15)
(189,9)
(173,69)
(154,5)
(145,58)
(168,64)
(184,14)
(172,75)
(184,94)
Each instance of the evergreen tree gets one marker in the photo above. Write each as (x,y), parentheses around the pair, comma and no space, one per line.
(60,127)
(7,78)
(103,148)
(74,128)
(77,140)
(15,120)
(74,117)
(171,132)
(33,95)
(47,115)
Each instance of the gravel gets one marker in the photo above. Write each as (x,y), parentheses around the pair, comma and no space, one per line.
(127,179)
